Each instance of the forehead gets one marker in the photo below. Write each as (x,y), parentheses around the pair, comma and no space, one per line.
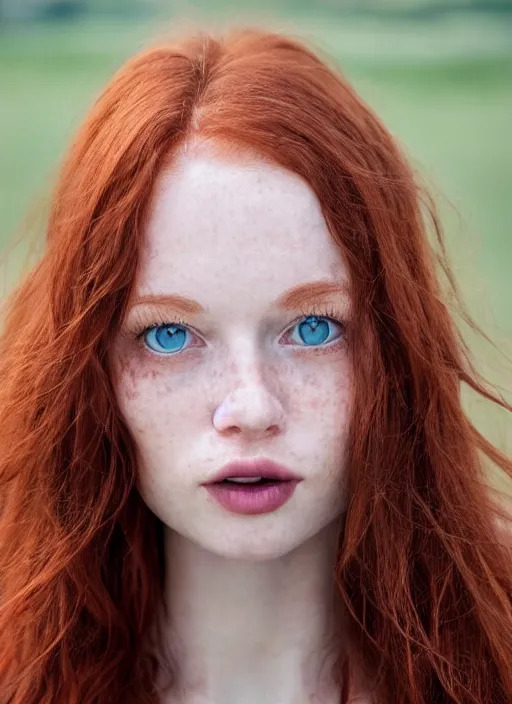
(249,225)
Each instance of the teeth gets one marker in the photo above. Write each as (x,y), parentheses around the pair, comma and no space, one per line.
(243,480)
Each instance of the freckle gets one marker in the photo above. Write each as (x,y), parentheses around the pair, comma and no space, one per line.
(129,384)
(131,393)
(147,372)
(213,373)
(123,363)
(130,373)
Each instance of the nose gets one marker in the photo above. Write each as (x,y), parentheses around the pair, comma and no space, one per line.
(253,410)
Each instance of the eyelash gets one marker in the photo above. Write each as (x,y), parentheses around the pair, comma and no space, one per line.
(330,313)
(140,332)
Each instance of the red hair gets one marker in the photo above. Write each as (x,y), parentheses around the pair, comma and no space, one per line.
(421,571)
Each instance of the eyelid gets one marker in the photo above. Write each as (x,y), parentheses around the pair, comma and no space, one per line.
(177,321)
(323,311)
(151,316)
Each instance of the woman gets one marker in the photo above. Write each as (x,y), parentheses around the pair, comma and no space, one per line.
(235,466)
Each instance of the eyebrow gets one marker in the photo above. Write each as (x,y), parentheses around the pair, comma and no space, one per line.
(293,298)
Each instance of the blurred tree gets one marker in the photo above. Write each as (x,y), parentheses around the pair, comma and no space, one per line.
(39,9)
(410,8)
(62,9)
(127,7)
(57,9)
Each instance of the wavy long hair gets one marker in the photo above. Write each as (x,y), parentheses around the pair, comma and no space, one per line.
(421,570)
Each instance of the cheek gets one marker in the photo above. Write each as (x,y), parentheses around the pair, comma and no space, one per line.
(154,397)
(162,410)
(324,395)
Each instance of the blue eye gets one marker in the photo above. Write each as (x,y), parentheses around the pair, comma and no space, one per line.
(316,330)
(166,339)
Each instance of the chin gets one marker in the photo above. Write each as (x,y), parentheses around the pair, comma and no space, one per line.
(257,541)
(252,553)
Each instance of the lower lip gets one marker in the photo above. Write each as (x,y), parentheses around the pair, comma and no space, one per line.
(252,498)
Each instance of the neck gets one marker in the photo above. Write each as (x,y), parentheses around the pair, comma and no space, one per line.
(252,631)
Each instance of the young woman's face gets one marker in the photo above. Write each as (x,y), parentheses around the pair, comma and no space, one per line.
(215,362)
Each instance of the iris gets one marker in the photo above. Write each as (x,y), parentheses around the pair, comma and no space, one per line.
(314,330)
(166,338)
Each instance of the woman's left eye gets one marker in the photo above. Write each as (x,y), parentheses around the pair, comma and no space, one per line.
(316,330)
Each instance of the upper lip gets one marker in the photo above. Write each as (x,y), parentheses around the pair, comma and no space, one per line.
(255,467)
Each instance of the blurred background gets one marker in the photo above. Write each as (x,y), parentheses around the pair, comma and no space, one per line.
(438,72)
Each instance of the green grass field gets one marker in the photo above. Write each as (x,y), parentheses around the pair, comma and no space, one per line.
(443,89)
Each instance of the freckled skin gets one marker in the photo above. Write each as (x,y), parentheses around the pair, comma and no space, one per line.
(234,237)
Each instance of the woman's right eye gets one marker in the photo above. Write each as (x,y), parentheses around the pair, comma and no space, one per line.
(166,339)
